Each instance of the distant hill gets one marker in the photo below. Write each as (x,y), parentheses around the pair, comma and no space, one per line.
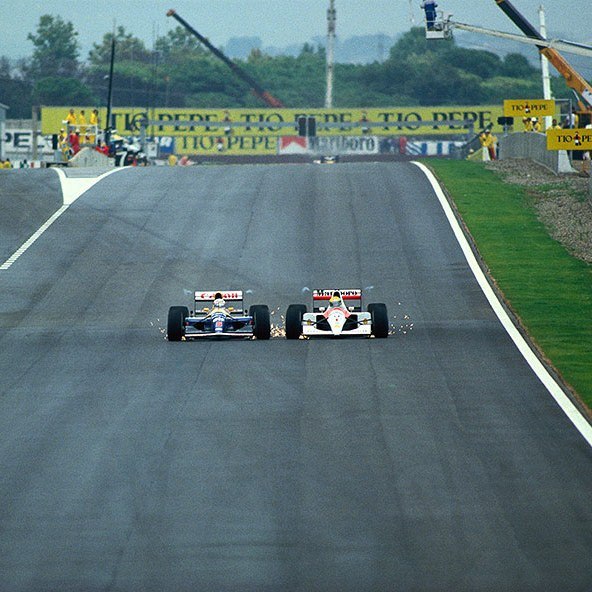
(365,49)
(503,47)
(362,49)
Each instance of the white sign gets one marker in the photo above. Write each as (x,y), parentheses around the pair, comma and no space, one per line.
(343,145)
(328,145)
(20,141)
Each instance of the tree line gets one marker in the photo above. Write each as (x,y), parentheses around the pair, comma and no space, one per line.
(179,72)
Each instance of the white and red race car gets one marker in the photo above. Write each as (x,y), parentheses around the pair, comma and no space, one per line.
(336,313)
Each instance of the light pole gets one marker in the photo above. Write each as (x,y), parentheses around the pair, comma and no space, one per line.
(331,21)
(545,64)
(110,93)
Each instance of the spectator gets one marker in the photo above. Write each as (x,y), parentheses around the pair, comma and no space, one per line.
(63,145)
(555,125)
(7,164)
(430,11)
(102,148)
(82,121)
(220,144)
(62,138)
(24,164)
(94,122)
(364,121)
(571,120)
(488,143)
(227,120)
(527,123)
(536,125)
(403,145)
(74,139)
(70,118)
(172,160)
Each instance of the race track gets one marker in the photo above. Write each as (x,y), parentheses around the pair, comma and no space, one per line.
(431,460)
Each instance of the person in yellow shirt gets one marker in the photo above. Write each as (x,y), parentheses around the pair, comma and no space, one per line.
(536,125)
(488,142)
(82,121)
(70,120)
(527,123)
(63,145)
(94,122)
(172,160)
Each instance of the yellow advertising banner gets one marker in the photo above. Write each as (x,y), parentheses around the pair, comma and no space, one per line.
(569,139)
(256,131)
(529,108)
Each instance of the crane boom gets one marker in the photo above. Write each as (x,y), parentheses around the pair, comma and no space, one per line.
(571,76)
(558,44)
(256,88)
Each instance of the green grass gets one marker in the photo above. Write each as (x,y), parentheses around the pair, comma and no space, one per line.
(547,288)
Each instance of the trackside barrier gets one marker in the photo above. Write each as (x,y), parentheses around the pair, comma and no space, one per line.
(433,148)
(88,157)
(533,145)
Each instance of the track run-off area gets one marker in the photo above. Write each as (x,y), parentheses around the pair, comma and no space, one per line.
(441,458)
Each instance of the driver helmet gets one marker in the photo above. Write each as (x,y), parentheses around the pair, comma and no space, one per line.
(219,302)
(335,299)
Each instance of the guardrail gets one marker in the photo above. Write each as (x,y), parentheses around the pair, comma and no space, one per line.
(533,145)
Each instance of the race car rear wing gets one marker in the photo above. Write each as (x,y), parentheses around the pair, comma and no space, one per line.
(351,298)
(233,298)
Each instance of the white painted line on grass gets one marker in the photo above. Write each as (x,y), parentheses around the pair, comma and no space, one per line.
(572,412)
(72,189)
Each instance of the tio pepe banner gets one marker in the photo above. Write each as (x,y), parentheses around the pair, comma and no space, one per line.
(529,108)
(569,139)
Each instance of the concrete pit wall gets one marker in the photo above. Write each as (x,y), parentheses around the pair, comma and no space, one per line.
(533,145)
(88,157)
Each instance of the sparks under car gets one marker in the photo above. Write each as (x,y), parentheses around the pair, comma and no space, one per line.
(218,314)
(336,313)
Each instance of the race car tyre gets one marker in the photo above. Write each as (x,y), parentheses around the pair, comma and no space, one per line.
(261,321)
(176,322)
(294,316)
(380,323)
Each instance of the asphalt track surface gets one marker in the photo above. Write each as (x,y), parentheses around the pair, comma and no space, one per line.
(431,460)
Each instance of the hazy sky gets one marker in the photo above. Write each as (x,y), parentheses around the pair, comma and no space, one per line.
(277,23)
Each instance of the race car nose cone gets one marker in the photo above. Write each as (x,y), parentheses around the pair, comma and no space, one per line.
(336,321)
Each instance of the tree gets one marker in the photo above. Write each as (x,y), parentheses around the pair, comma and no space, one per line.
(127,48)
(14,91)
(484,64)
(517,66)
(179,42)
(414,42)
(56,49)
(60,91)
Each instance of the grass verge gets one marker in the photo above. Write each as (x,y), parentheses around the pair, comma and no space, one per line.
(547,288)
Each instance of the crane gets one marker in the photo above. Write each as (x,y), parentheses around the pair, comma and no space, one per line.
(548,48)
(256,88)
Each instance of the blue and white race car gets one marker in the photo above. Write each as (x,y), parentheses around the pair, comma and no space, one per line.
(218,314)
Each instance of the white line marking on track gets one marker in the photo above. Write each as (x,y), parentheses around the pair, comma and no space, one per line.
(572,412)
(72,189)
